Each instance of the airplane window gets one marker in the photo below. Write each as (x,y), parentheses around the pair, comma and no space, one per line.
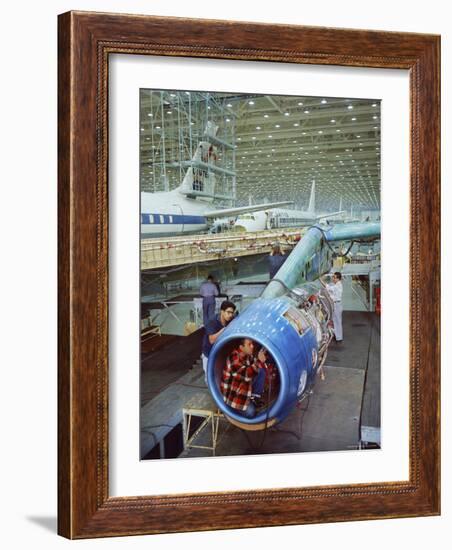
(171,219)
(162,219)
(151,218)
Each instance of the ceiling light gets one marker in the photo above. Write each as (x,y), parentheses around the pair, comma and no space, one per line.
(250,102)
(150,114)
(323,101)
(277,126)
(300,103)
(349,106)
(286,114)
(332,121)
(306,112)
(258,127)
(229,105)
(265,116)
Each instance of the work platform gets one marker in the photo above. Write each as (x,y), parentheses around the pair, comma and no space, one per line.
(342,413)
(189,249)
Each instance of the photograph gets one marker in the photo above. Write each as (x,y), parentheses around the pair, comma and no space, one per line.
(240,232)
(222,200)
(260,256)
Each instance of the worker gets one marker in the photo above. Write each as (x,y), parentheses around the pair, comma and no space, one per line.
(209,292)
(334,289)
(243,378)
(213,330)
(275,259)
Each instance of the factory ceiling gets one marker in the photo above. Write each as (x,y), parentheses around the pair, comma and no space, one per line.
(281,144)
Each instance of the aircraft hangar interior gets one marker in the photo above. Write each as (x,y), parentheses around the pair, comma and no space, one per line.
(260,274)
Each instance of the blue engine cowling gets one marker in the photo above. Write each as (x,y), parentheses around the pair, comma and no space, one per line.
(266,321)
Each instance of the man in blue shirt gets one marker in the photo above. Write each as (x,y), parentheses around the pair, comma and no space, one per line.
(208,291)
(275,260)
(213,329)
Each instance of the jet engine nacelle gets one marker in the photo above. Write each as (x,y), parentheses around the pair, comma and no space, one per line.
(294,329)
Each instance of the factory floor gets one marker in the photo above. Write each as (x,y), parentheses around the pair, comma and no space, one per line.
(331,418)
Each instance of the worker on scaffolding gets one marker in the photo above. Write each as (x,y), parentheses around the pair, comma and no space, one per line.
(275,259)
(208,291)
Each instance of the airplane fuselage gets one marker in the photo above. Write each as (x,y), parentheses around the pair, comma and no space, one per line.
(171,213)
(177,212)
(277,219)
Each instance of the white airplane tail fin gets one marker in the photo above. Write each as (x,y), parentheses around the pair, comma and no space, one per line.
(199,179)
(311,207)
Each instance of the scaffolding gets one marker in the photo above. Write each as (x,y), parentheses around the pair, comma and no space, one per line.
(172,124)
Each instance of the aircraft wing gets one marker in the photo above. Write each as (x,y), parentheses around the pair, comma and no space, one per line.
(331,214)
(242,209)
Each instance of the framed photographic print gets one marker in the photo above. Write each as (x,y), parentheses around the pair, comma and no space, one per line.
(247,216)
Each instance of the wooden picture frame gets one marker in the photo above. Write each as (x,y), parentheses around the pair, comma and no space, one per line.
(86,40)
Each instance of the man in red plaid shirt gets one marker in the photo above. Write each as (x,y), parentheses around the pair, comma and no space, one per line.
(243,378)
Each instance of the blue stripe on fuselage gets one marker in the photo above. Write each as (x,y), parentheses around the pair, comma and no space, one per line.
(171,219)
